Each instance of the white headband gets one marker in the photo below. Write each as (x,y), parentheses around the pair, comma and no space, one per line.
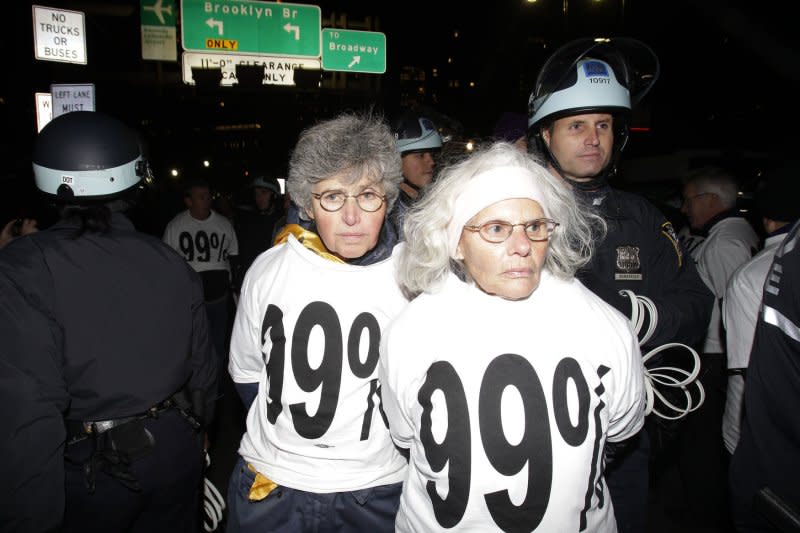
(490,187)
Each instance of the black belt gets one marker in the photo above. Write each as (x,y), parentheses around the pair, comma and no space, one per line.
(78,430)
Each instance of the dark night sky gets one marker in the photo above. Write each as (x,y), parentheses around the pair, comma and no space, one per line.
(729,71)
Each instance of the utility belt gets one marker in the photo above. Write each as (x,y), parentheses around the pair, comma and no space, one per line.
(78,430)
(117,443)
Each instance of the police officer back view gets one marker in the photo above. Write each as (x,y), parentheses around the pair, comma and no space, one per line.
(578,122)
(101,327)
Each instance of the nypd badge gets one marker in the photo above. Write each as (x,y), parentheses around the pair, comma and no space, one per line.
(628,265)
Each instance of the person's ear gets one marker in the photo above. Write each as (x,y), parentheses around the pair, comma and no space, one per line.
(310,213)
(187,201)
(459,255)
(546,136)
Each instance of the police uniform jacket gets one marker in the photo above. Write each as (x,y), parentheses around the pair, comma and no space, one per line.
(641,253)
(94,327)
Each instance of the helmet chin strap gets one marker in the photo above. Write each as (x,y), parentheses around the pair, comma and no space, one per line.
(595,183)
(417,188)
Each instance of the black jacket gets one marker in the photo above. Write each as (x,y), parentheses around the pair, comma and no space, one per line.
(101,326)
(254,231)
(641,253)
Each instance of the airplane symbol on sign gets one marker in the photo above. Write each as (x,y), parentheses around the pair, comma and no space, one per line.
(159,10)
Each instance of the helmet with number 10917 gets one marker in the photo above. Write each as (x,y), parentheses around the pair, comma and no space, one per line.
(591,76)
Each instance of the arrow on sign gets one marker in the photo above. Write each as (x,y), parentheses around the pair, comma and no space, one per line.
(296,29)
(218,23)
(356,60)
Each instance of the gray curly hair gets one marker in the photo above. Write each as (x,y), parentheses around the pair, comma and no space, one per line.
(349,147)
(425,261)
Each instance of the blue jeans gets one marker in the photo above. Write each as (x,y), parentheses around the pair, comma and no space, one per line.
(286,509)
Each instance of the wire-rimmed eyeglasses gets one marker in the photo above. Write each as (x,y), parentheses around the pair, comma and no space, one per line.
(332,201)
(497,231)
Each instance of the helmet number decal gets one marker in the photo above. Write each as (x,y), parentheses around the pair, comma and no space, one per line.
(596,71)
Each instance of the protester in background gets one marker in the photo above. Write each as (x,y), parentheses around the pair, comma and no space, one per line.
(255,224)
(776,199)
(709,202)
(317,454)
(106,369)
(208,242)
(578,120)
(505,410)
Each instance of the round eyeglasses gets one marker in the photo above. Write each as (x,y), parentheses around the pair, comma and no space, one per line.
(332,201)
(498,231)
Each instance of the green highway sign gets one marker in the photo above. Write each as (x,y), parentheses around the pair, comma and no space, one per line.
(249,27)
(353,51)
(157,12)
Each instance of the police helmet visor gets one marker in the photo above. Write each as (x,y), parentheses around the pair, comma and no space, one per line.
(634,66)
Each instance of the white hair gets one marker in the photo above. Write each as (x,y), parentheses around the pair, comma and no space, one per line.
(425,261)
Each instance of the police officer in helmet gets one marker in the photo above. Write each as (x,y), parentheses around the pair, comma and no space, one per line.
(578,121)
(106,371)
(418,143)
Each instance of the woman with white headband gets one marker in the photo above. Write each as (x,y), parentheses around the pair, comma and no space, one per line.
(505,409)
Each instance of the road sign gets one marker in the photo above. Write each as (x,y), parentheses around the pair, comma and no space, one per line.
(244,26)
(68,97)
(58,35)
(277,70)
(158,29)
(44,109)
(353,51)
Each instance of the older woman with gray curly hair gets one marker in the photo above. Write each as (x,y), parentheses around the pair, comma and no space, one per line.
(358,152)
(505,377)
(305,345)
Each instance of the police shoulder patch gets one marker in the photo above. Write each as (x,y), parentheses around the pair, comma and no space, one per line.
(669,232)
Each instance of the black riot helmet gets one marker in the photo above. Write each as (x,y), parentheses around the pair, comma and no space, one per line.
(85,156)
(591,76)
(414,133)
